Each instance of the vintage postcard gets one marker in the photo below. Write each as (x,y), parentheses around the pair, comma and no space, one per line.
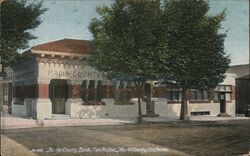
(124,77)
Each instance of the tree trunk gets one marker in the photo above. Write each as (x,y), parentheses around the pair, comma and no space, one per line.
(184,108)
(138,91)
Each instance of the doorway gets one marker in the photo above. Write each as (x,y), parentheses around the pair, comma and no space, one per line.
(222,102)
(58,92)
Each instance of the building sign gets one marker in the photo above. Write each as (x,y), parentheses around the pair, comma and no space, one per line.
(84,74)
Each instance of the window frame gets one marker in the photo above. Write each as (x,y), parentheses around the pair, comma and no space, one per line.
(218,89)
(173,88)
(88,89)
(202,99)
(118,93)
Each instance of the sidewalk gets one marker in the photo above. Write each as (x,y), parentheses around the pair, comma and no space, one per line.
(12,122)
(12,148)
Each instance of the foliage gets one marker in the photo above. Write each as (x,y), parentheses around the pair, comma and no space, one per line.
(18,18)
(140,40)
(195,47)
(125,39)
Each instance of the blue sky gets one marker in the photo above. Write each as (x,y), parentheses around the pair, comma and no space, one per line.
(70,19)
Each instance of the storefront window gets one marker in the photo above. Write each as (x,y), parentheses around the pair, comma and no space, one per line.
(91,92)
(199,95)
(174,93)
(227,89)
(216,96)
(121,92)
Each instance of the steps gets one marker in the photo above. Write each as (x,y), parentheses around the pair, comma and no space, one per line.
(60,116)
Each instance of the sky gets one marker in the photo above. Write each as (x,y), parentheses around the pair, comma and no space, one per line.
(71,18)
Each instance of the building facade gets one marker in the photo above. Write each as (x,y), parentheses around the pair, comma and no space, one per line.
(242,88)
(55,78)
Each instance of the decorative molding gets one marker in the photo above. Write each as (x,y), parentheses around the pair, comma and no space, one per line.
(60,54)
(62,61)
(74,82)
(44,81)
(72,100)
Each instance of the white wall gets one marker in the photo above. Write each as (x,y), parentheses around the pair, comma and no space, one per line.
(213,108)
(74,70)
(37,108)
(18,110)
(229,79)
(109,110)
(42,108)
(230,108)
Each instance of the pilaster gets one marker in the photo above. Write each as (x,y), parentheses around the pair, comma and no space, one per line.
(74,97)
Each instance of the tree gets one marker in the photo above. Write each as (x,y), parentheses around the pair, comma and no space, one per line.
(125,42)
(17,19)
(196,57)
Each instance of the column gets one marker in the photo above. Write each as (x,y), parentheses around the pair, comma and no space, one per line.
(233,93)
(74,91)
(211,94)
(43,105)
(117,91)
(43,91)
(74,101)
(106,89)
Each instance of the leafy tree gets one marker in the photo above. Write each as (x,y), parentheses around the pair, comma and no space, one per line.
(17,19)
(125,41)
(196,57)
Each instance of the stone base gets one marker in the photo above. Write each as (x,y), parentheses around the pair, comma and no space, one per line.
(223,115)
(73,107)
(150,114)
(18,108)
(43,108)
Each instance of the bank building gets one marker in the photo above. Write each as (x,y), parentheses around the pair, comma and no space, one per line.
(54,79)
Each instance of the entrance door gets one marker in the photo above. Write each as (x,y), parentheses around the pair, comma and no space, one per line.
(58,94)
(223,102)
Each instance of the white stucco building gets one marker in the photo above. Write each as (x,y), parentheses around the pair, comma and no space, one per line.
(54,78)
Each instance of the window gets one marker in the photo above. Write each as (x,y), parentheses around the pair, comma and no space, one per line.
(91,92)
(19,95)
(107,89)
(199,95)
(223,88)
(216,96)
(121,92)
(174,93)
